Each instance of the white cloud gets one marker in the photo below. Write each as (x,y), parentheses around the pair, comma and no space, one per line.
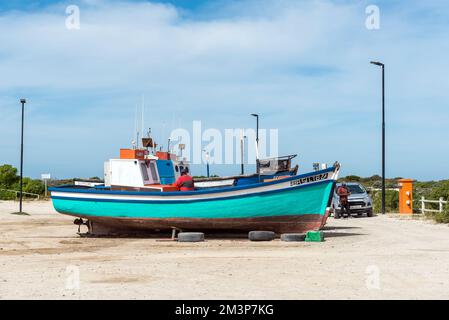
(304,65)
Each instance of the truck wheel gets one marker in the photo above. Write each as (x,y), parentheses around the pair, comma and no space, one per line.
(293,237)
(261,235)
(190,236)
(369,213)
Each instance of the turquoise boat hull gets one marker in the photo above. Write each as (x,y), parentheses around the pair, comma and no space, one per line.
(295,208)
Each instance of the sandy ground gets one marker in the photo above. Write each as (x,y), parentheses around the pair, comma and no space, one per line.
(41,256)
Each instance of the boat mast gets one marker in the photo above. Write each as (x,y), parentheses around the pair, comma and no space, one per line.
(135,142)
(143,109)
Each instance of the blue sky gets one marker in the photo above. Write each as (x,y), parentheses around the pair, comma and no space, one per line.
(302,65)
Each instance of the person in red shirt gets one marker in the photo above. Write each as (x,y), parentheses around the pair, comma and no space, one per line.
(185,182)
(343,193)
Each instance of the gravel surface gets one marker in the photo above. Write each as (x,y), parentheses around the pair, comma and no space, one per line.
(41,256)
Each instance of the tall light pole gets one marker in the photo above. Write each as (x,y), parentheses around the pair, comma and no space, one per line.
(383,132)
(257,143)
(207,162)
(242,150)
(22,101)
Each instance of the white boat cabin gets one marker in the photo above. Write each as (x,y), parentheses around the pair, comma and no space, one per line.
(136,170)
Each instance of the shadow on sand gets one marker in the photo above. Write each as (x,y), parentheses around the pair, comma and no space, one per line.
(166,235)
(331,231)
(338,228)
(341,234)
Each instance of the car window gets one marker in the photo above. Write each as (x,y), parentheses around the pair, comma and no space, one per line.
(354,189)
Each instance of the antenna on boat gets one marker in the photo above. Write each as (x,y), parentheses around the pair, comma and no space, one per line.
(152,146)
(135,134)
(143,110)
(153,142)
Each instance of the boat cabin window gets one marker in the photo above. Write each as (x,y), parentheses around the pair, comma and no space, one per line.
(153,170)
(144,170)
(274,165)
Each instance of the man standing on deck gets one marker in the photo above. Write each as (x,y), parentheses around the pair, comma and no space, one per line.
(185,182)
(343,194)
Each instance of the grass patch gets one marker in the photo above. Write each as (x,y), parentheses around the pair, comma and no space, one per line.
(439,217)
(442,217)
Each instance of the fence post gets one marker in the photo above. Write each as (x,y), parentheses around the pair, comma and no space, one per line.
(423,205)
(441,204)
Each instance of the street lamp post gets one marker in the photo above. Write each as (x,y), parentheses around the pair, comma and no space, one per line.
(22,101)
(383,132)
(257,143)
(242,150)
(207,162)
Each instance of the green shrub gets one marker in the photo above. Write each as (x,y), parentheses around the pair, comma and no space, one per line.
(391,201)
(8,176)
(352,178)
(441,217)
(34,186)
(30,185)
(441,190)
(11,181)
(7,195)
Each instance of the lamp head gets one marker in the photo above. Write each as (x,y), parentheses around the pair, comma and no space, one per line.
(254,114)
(377,63)
(23,100)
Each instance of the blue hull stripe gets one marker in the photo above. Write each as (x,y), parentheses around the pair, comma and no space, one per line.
(192,200)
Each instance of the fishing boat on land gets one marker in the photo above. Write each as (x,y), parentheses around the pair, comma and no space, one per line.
(133,200)
(138,196)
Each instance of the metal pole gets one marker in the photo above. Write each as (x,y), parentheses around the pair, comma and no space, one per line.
(257,143)
(383,139)
(207,162)
(241,156)
(380,64)
(22,101)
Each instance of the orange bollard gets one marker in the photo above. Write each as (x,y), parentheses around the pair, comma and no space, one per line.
(405,196)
